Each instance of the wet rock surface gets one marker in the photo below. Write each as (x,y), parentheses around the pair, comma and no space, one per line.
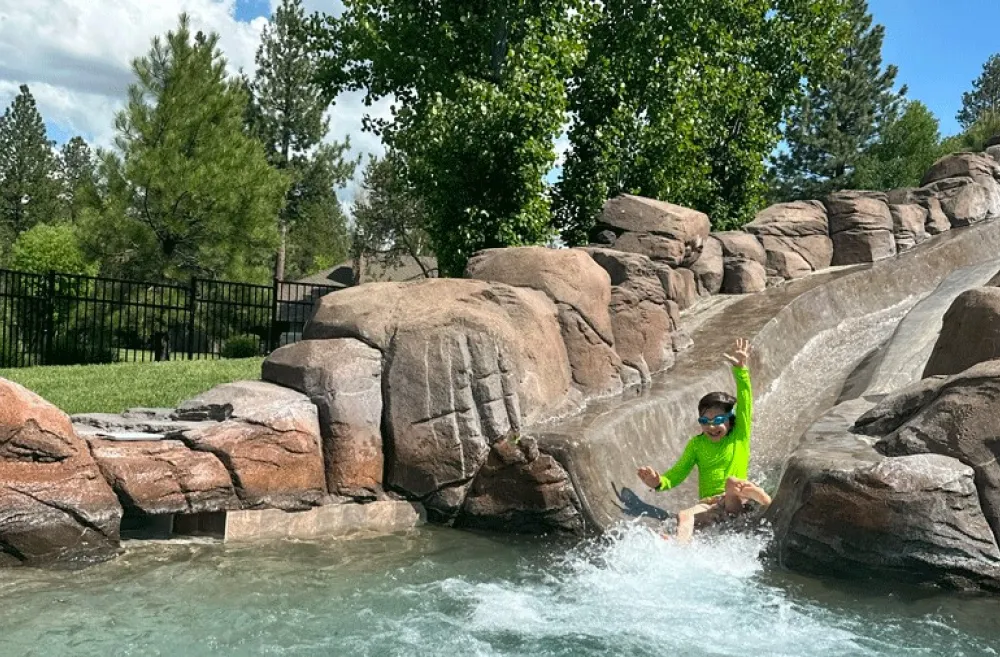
(54,504)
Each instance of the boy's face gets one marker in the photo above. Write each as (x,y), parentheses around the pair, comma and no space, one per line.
(715,432)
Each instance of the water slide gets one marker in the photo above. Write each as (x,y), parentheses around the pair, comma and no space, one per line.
(835,335)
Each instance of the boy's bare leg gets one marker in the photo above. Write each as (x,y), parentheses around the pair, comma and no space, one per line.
(687,518)
(739,492)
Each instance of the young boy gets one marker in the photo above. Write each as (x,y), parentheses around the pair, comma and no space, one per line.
(721,452)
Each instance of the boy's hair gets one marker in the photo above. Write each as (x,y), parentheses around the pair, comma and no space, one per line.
(721,400)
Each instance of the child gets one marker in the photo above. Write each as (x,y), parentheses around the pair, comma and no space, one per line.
(721,452)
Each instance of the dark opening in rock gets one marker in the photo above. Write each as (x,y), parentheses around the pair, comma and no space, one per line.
(142,526)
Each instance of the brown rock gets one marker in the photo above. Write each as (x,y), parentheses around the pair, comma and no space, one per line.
(994,152)
(164,476)
(54,503)
(679,284)
(936,221)
(895,409)
(642,333)
(740,245)
(521,490)
(343,378)
(632,270)
(963,200)
(960,422)
(490,357)
(708,269)
(581,290)
(567,276)
(970,332)
(908,225)
(268,439)
(843,509)
(861,227)
(660,230)
(976,166)
(744,277)
(795,238)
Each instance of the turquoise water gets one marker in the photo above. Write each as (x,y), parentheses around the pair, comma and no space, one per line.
(443,592)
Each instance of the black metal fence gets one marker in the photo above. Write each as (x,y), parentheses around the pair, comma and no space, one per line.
(61,319)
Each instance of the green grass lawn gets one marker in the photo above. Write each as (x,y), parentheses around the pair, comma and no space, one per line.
(113,388)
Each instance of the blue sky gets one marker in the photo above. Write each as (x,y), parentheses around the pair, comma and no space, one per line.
(940,47)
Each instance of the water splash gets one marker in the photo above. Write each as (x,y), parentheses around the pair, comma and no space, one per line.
(449,593)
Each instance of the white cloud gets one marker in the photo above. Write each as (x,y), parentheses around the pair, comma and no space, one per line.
(76,56)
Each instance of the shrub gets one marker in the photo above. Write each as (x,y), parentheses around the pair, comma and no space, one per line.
(242,346)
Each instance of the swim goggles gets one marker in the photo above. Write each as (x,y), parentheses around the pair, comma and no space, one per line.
(717,420)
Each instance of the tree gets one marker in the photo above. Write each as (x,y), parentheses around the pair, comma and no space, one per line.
(479,91)
(841,117)
(196,195)
(288,116)
(985,94)
(389,218)
(681,101)
(973,139)
(28,189)
(78,175)
(317,234)
(45,248)
(905,150)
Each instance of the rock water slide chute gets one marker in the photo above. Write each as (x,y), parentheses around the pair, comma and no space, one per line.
(850,311)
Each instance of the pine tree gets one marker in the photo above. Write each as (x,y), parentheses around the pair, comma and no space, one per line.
(28,187)
(907,147)
(829,131)
(985,95)
(200,196)
(288,117)
(78,175)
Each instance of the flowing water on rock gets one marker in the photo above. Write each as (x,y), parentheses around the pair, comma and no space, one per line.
(445,592)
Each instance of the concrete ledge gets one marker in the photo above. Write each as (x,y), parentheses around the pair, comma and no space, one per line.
(323,521)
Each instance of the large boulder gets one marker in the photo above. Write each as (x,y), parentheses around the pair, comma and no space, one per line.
(466,362)
(521,490)
(959,421)
(581,290)
(970,332)
(708,270)
(343,378)
(965,201)
(663,231)
(268,438)
(741,246)
(980,168)
(843,509)
(54,504)
(909,225)
(994,152)
(640,311)
(164,476)
(936,221)
(861,227)
(743,277)
(795,238)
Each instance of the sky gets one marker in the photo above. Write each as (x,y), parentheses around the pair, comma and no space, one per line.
(75,54)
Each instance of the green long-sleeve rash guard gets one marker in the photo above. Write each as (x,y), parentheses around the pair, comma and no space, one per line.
(716,461)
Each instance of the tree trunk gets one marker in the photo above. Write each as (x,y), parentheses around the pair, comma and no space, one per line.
(279,265)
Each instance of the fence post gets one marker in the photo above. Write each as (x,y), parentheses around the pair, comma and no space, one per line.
(50,319)
(192,305)
(273,337)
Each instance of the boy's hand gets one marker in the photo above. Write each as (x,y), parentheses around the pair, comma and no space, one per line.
(649,477)
(742,352)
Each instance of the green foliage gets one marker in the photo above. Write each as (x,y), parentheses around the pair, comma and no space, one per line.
(682,101)
(193,194)
(45,248)
(479,93)
(985,95)
(974,138)
(827,133)
(288,117)
(28,190)
(389,218)
(241,346)
(906,149)
(78,175)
